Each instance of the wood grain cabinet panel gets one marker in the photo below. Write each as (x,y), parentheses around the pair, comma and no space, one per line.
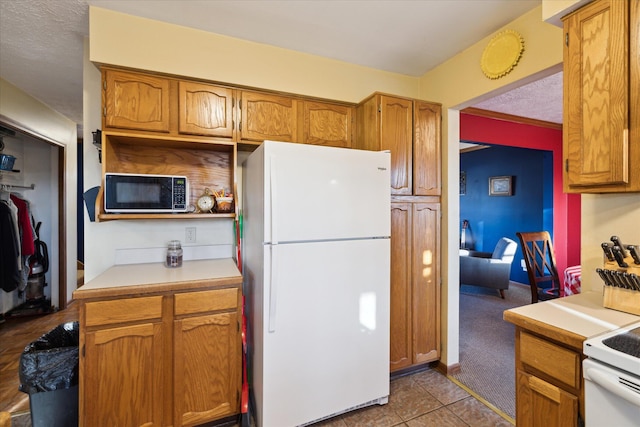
(396,135)
(206,368)
(327,124)
(427,119)
(268,117)
(426,281)
(401,297)
(415,283)
(205,109)
(122,377)
(542,404)
(601,129)
(136,101)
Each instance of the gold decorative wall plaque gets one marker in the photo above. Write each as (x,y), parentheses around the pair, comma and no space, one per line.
(502,54)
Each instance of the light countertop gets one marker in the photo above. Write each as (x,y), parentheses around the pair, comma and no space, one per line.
(137,275)
(582,315)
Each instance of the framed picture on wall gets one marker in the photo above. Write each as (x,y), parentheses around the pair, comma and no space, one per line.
(500,186)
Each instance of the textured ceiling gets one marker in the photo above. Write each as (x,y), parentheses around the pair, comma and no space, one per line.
(541,100)
(41,41)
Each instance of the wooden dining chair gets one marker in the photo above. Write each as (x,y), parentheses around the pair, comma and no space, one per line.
(540,259)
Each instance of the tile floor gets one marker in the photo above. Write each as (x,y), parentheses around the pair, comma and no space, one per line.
(423,399)
(420,399)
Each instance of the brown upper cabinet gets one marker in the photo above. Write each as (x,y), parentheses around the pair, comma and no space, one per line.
(427,118)
(266,116)
(410,129)
(205,109)
(144,102)
(601,129)
(328,124)
(135,101)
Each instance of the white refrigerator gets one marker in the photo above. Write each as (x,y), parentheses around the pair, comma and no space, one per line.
(316,255)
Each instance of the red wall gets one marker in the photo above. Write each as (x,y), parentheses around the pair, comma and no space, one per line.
(566,207)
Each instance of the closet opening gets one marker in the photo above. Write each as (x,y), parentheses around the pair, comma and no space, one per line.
(35,183)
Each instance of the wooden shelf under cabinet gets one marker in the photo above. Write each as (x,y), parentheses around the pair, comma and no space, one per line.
(206,162)
(101,216)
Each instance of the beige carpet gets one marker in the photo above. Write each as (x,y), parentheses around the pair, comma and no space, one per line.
(487,343)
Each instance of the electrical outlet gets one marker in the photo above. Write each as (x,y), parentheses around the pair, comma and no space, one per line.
(190,235)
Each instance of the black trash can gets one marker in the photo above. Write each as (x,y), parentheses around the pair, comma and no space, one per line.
(49,374)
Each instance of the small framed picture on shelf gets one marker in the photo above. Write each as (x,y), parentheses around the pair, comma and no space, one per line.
(500,186)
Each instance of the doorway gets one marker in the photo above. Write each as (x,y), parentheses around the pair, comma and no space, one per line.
(38,178)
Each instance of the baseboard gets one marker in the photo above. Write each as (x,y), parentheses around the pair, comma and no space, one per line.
(447,369)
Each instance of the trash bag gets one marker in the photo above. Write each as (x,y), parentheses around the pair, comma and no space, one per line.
(51,362)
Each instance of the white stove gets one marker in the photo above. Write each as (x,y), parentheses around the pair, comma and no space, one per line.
(612,378)
(619,348)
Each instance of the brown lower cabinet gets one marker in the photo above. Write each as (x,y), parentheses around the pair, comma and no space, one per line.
(170,357)
(549,384)
(415,281)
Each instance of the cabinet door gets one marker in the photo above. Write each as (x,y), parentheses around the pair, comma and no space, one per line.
(539,403)
(269,117)
(205,109)
(123,374)
(401,325)
(327,124)
(426,281)
(207,368)
(396,134)
(426,149)
(136,101)
(596,90)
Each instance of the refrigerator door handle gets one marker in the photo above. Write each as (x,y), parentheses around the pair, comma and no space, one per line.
(273,183)
(273,289)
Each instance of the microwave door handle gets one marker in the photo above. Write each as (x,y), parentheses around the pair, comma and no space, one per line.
(610,383)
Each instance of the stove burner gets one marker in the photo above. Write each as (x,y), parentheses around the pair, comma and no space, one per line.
(628,342)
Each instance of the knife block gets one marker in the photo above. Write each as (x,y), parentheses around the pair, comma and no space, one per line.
(620,299)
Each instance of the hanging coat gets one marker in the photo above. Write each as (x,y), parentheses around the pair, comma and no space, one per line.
(9,272)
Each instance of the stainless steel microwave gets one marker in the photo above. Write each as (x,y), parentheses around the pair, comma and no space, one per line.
(145,193)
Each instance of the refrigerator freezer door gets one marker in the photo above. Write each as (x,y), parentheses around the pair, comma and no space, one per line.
(328,347)
(324,193)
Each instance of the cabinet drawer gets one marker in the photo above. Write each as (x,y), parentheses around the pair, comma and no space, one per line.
(123,310)
(553,360)
(204,301)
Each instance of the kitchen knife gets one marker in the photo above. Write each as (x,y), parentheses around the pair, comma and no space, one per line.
(630,283)
(606,248)
(633,250)
(619,255)
(603,276)
(608,279)
(615,275)
(621,279)
(613,279)
(617,242)
(636,280)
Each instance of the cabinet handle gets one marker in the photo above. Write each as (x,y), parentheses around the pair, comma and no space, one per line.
(566,39)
